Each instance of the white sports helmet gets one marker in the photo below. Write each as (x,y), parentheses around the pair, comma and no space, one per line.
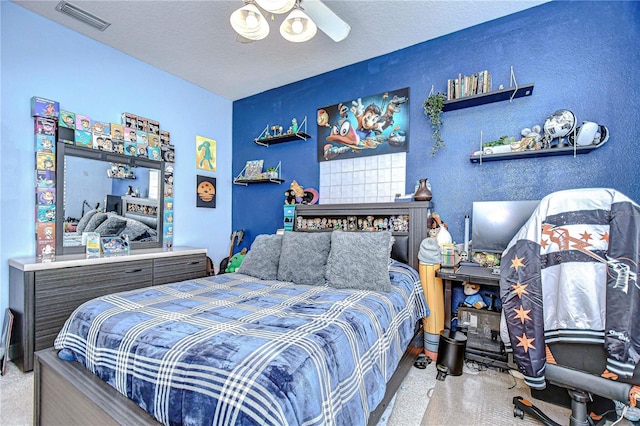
(560,124)
(589,133)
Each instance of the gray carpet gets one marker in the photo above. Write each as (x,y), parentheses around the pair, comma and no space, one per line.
(16,398)
(477,397)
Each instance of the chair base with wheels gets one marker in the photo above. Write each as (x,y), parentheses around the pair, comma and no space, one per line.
(581,382)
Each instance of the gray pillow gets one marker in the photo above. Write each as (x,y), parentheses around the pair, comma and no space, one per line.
(263,258)
(112,226)
(303,258)
(95,221)
(82,223)
(136,230)
(359,260)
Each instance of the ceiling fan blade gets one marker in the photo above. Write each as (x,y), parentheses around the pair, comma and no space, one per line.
(326,20)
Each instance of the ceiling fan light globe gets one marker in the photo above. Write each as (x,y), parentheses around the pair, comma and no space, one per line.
(252,20)
(298,27)
(276,6)
(249,22)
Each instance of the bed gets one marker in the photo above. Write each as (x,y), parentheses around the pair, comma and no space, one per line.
(111,224)
(276,343)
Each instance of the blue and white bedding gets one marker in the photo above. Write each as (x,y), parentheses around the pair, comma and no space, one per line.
(233,349)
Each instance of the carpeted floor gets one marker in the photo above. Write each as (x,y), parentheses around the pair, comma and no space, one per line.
(408,407)
(480,396)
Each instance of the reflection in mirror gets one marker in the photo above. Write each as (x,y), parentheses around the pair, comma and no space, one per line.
(112,199)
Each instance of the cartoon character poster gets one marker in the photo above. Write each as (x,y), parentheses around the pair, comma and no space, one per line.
(205,153)
(360,127)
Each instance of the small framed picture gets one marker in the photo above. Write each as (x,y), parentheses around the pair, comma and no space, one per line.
(253,169)
(6,340)
(206,192)
(114,246)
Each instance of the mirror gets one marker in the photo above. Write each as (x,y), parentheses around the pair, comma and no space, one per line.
(128,189)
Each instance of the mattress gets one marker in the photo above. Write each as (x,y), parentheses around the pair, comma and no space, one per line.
(232,349)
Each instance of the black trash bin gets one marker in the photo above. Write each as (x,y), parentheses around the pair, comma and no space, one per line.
(451,353)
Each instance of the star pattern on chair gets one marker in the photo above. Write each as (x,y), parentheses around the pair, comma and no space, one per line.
(519,289)
(522,314)
(516,263)
(525,342)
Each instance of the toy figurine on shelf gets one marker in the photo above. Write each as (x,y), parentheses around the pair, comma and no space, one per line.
(294,125)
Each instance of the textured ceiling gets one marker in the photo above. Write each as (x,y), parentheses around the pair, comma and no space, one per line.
(194,40)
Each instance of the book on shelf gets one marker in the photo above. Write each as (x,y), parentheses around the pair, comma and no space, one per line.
(469,85)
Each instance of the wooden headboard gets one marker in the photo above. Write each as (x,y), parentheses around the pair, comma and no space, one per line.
(407,221)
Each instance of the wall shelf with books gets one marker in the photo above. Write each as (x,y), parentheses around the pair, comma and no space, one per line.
(548,152)
(490,97)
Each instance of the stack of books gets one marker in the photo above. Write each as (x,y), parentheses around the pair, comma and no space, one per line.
(469,85)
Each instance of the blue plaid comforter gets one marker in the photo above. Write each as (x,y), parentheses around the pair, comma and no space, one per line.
(235,350)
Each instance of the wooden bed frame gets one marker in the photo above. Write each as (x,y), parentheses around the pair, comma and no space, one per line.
(67,393)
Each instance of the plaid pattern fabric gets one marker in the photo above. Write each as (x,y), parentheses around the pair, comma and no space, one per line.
(232,349)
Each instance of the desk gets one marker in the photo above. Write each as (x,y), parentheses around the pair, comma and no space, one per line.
(478,275)
(475,274)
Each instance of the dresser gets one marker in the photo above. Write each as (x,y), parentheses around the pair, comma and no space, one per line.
(42,294)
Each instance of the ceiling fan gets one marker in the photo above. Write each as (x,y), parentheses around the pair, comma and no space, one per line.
(305,17)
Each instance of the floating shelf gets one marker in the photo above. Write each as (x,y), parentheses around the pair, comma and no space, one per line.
(265,139)
(487,98)
(281,139)
(246,182)
(548,152)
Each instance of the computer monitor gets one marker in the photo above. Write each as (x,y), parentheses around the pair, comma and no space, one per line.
(114,204)
(495,223)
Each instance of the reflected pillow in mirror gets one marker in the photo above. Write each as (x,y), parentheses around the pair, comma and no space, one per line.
(136,229)
(263,258)
(359,260)
(82,223)
(112,226)
(95,221)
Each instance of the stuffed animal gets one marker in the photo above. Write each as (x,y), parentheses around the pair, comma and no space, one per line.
(473,297)
(236,261)
(296,194)
(290,197)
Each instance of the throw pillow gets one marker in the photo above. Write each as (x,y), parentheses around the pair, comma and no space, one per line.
(136,230)
(263,258)
(359,260)
(96,220)
(82,223)
(112,226)
(303,258)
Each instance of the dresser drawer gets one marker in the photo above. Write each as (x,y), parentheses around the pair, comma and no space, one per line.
(60,291)
(172,269)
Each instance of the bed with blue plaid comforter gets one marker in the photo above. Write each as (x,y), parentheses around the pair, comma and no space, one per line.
(235,350)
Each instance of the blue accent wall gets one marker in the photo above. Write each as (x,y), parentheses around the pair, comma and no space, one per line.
(582,56)
(43,58)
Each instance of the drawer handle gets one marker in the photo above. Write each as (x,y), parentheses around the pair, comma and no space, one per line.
(132,271)
(195,262)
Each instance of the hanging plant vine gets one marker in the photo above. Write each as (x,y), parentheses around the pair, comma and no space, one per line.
(433,106)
